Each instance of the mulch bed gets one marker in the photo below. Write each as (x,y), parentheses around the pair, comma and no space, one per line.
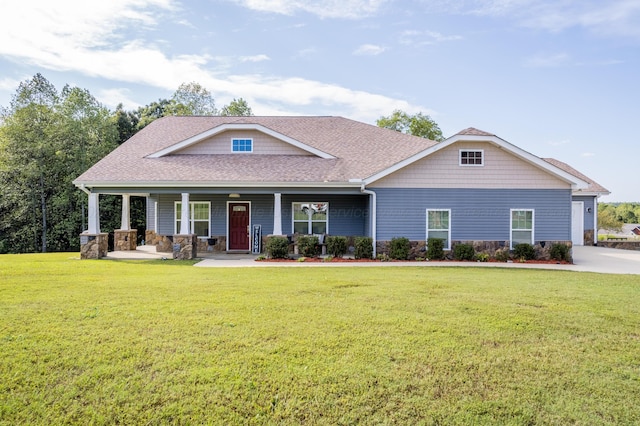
(347,260)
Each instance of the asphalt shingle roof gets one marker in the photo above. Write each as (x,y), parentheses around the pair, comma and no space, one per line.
(360,150)
(594,187)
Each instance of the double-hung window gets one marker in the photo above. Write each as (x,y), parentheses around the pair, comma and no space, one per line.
(311,218)
(522,226)
(439,226)
(199,217)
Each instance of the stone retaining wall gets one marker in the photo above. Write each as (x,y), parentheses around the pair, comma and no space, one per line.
(622,245)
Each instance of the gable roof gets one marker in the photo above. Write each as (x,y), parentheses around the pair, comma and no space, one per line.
(474,135)
(344,150)
(593,187)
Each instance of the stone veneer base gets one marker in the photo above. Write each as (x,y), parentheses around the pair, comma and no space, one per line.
(94,246)
(125,240)
(185,247)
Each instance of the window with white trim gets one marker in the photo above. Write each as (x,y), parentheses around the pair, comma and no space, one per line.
(522,226)
(241,145)
(199,217)
(310,218)
(469,157)
(439,226)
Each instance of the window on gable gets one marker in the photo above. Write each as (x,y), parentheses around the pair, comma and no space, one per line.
(310,218)
(522,227)
(241,145)
(471,157)
(439,226)
(199,214)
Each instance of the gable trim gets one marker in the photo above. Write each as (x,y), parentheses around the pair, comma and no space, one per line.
(575,182)
(236,126)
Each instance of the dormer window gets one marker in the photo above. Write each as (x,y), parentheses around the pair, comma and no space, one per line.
(241,145)
(470,157)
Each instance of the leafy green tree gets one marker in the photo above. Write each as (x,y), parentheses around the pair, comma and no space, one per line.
(416,125)
(48,139)
(191,99)
(608,219)
(148,113)
(126,122)
(237,107)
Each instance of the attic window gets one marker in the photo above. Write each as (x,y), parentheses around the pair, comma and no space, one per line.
(471,157)
(241,145)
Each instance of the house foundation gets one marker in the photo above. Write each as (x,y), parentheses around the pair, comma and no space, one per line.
(94,246)
(125,240)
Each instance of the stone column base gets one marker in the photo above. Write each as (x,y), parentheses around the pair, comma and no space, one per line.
(94,246)
(125,240)
(185,247)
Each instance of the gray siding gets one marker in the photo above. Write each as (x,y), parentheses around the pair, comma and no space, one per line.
(589,218)
(476,214)
(348,214)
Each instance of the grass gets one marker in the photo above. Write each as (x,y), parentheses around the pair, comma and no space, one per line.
(152,342)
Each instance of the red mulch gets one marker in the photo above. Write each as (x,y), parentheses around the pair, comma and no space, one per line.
(342,259)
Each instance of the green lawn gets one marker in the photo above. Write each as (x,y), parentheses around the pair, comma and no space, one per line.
(124,342)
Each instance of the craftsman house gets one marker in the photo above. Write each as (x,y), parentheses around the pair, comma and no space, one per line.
(223,183)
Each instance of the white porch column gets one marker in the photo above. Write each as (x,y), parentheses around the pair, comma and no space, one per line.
(277,214)
(125,223)
(94,213)
(184,217)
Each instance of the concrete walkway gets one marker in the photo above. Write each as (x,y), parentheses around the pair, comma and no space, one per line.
(585,258)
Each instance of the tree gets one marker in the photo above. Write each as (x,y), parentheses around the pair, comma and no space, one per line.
(237,107)
(126,122)
(48,139)
(192,99)
(608,219)
(416,125)
(148,113)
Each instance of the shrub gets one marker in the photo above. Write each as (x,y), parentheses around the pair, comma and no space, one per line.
(524,251)
(383,257)
(482,257)
(308,245)
(399,248)
(560,252)
(363,248)
(336,246)
(435,249)
(463,252)
(502,255)
(277,247)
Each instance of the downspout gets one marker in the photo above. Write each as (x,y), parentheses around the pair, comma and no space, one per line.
(374,206)
(84,189)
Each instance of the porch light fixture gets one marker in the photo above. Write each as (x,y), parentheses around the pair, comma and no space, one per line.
(234,195)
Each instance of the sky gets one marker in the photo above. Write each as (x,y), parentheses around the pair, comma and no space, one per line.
(557,78)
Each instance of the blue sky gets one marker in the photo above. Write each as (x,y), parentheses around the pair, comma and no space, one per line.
(558,78)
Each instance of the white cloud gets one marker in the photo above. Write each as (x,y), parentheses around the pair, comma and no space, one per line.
(559,143)
(369,50)
(611,18)
(348,9)
(255,58)
(112,97)
(9,84)
(588,154)
(420,38)
(88,38)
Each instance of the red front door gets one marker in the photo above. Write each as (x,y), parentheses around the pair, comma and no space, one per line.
(239,226)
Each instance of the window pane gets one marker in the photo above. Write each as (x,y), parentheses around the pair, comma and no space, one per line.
(521,237)
(201,229)
(318,227)
(201,211)
(438,219)
(442,235)
(300,227)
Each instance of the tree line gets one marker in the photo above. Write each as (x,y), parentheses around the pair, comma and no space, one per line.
(611,216)
(50,137)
